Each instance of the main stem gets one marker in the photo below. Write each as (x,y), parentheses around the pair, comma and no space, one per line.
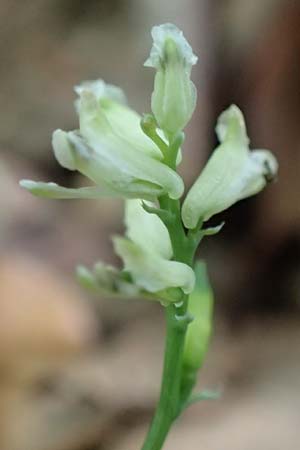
(169,406)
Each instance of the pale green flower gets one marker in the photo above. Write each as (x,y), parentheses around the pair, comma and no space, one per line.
(232,173)
(111,150)
(148,272)
(174,96)
(124,121)
(147,251)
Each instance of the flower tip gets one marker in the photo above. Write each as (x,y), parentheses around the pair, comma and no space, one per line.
(88,101)
(82,272)
(167,39)
(268,162)
(272,167)
(176,189)
(26,184)
(63,149)
(231,124)
(95,86)
(40,188)
(85,278)
(101,90)
(174,97)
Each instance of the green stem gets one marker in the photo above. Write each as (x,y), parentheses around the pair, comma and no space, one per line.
(168,406)
(177,320)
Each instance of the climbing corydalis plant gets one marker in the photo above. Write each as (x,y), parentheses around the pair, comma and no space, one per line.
(136,158)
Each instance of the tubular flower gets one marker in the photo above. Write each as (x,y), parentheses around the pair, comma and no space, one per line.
(174,96)
(147,253)
(148,271)
(232,173)
(111,150)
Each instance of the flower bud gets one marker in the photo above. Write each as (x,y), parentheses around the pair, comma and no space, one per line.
(232,173)
(174,96)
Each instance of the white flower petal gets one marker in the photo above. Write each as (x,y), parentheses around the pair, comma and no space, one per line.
(63,150)
(108,158)
(152,272)
(102,91)
(124,121)
(147,230)
(54,191)
(231,125)
(160,33)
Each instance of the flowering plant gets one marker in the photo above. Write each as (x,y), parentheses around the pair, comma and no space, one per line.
(136,158)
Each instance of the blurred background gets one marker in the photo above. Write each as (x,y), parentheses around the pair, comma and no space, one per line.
(83,373)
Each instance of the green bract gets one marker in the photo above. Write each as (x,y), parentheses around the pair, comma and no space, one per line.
(199,330)
(111,150)
(174,96)
(147,252)
(232,173)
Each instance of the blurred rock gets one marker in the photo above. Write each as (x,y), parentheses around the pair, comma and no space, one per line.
(43,321)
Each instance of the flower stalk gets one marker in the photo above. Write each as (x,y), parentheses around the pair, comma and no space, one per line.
(169,402)
(136,158)
(173,392)
(177,321)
